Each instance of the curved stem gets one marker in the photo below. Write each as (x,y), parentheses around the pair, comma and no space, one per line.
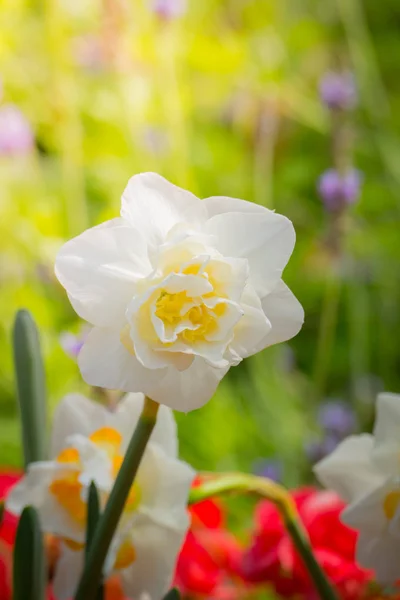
(233,482)
(108,522)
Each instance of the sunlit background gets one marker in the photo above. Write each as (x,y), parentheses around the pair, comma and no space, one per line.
(255,99)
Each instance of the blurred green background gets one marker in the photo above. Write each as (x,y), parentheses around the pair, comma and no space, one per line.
(221,99)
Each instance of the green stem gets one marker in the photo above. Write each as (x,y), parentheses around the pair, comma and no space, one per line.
(233,482)
(108,521)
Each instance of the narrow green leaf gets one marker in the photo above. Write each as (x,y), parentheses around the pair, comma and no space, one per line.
(93,515)
(1,511)
(31,389)
(29,574)
(172,595)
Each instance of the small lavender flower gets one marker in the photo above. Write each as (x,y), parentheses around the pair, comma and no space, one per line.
(72,343)
(317,449)
(337,418)
(270,468)
(338,90)
(169,9)
(338,190)
(16,137)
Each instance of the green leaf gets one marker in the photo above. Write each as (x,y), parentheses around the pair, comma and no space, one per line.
(93,515)
(29,574)
(31,390)
(172,595)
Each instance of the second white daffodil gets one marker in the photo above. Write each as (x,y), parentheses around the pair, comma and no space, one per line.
(365,471)
(88,444)
(178,289)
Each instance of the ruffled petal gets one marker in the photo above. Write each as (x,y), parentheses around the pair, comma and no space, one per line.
(154,206)
(189,389)
(99,269)
(105,362)
(266,240)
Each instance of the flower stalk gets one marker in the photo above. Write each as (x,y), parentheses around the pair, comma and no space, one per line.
(108,522)
(236,482)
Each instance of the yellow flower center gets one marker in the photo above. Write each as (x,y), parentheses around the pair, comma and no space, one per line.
(391,504)
(67,489)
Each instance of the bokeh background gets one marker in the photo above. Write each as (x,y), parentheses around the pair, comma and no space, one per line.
(222,97)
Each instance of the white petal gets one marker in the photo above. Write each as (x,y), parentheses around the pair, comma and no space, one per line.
(99,269)
(380,554)
(68,571)
(366,513)
(349,470)
(157,548)
(266,240)
(229,276)
(154,206)
(223,204)
(386,433)
(285,314)
(76,414)
(252,328)
(105,362)
(187,390)
(32,488)
(165,484)
(164,434)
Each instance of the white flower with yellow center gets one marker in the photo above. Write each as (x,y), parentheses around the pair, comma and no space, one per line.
(88,444)
(178,289)
(365,471)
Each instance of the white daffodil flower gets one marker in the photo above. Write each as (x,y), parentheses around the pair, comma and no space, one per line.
(88,444)
(365,471)
(178,289)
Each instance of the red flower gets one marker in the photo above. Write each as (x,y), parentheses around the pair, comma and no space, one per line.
(273,559)
(210,556)
(8,528)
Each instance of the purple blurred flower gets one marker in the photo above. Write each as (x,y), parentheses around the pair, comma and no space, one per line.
(338,90)
(337,418)
(271,468)
(317,449)
(16,136)
(72,343)
(337,190)
(169,9)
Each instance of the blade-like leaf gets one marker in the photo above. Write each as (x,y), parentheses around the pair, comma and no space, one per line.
(172,595)
(93,515)
(31,390)
(29,574)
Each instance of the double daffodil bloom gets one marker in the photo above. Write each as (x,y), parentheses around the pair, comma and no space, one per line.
(88,444)
(178,290)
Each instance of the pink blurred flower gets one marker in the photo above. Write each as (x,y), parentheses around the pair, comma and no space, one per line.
(16,136)
(169,9)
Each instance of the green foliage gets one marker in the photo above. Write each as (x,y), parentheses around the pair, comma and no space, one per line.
(93,515)
(29,576)
(172,595)
(31,389)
